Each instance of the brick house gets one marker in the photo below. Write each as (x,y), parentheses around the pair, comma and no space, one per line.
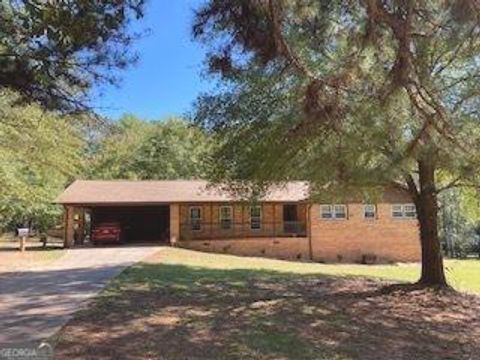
(284,224)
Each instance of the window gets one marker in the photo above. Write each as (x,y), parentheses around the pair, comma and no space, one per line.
(333,212)
(255,218)
(404,211)
(225,217)
(340,211)
(410,211)
(369,211)
(196,218)
(397,211)
(326,211)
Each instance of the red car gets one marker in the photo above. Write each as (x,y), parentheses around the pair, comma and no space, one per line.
(108,232)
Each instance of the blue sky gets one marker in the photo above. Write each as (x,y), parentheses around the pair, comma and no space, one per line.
(166,80)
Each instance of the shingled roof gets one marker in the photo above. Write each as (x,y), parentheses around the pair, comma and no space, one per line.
(90,192)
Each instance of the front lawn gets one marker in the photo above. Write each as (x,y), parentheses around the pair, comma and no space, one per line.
(463,275)
(183,304)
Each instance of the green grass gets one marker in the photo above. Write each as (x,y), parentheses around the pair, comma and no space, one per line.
(183,304)
(463,275)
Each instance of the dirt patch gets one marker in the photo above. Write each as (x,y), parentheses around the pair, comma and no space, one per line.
(36,255)
(181,312)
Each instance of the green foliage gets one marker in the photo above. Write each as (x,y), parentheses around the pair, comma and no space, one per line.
(329,104)
(324,91)
(53,52)
(142,150)
(39,153)
(459,222)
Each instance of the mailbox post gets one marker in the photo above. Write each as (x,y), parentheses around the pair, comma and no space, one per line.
(22,234)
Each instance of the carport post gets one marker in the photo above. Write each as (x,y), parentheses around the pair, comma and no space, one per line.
(68,238)
(174,224)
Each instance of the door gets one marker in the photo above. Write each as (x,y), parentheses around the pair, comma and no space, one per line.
(290,218)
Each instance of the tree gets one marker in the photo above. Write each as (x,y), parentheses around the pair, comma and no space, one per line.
(39,153)
(348,95)
(142,150)
(52,52)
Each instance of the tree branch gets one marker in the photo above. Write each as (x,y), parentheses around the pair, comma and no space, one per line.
(451,184)
(412,187)
(281,43)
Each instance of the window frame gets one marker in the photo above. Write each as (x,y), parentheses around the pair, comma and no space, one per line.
(399,210)
(333,212)
(260,215)
(374,217)
(195,221)
(330,212)
(414,212)
(345,212)
(404,212)
(221,219)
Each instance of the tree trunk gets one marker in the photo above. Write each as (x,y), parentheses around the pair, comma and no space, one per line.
(433,273)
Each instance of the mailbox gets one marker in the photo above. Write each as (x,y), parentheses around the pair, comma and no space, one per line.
(22,232)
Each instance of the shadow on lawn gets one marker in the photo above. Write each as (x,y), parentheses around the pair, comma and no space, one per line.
(181,312)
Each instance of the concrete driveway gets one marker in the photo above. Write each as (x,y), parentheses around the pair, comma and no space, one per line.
(36,303)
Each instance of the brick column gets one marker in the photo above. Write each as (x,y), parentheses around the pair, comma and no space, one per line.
(68,238)
(174,224)
(308,228)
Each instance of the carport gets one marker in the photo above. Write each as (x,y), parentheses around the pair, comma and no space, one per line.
(149,223)
(138,223)
(147,211)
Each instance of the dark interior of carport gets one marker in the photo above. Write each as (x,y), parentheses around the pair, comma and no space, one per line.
(138,223)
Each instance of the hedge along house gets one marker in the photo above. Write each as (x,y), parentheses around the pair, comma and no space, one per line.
(284,224)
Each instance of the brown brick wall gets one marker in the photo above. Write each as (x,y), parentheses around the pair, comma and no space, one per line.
(74,225)
(331,240)
(271,212)
(348,240)
(174,223)
(69,229)
(278,248)
(272,215)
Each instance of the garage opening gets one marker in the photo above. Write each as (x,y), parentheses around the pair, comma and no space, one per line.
(136,223)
